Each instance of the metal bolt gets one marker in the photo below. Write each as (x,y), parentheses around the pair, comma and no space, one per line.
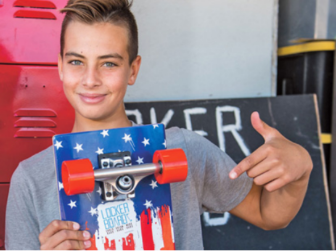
(128,161)
(125,182)
(108,194)
(105,164)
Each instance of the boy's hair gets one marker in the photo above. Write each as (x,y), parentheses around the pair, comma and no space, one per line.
(116,12)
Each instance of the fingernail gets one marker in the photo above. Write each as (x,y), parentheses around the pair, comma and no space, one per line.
(76,226)
(86,235)
(87,244)
(233,175)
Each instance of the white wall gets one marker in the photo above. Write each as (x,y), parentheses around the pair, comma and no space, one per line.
(205,49)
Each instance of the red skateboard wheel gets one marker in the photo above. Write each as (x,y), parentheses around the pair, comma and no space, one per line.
(77,176)
(174,165)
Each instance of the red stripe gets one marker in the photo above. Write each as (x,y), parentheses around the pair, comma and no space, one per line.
(109,247)
(167,234)
(93,243)
(128,243)
(146,229)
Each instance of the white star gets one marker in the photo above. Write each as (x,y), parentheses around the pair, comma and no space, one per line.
(78,147)
(145,142)
(99,191)
(72,204)
(100,151)
(58,144)
(60,186)
(93,211)
(140,160)
(105,133)
(127,137)
(153,184)
(165,144)
(156,126)
(148,204)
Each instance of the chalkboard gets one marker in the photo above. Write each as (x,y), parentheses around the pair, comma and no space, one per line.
(227,124)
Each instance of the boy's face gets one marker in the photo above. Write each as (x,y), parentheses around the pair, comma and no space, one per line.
(95,69)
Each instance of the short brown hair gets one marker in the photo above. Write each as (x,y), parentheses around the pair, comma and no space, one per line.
(116,12)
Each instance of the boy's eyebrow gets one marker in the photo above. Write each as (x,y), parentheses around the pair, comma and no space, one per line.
(74,54)
(112,55)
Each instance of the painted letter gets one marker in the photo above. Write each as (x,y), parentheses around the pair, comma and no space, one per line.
(166,119)
(217,221)
(233,128)
(137,114)
(194,111)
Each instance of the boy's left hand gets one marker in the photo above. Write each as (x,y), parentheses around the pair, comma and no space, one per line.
(277,162)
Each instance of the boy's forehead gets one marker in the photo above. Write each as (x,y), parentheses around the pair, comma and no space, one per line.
(104,37)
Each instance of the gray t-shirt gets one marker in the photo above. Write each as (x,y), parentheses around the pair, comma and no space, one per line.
(33,203)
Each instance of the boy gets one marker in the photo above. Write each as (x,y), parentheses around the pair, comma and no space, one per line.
(98,59)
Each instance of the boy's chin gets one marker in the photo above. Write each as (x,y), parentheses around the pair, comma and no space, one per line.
(94,116)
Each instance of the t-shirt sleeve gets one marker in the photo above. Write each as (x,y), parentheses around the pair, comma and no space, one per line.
(21,223)
(210,169)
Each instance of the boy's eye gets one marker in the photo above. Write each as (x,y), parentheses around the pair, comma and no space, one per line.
(75,62)
(109,64)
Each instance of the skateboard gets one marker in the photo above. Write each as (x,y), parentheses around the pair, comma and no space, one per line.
(115,184)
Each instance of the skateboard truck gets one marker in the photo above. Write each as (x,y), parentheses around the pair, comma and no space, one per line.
(118,175)
(122,185)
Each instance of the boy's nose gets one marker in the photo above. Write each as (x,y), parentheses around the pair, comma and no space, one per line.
(91,78)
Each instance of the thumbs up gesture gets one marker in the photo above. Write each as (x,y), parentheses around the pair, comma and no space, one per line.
(277,162)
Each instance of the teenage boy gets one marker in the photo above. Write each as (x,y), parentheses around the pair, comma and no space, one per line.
(98,60)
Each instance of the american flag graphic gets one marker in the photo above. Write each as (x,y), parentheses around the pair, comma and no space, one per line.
(144,222)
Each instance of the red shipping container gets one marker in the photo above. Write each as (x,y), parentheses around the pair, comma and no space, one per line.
(3,201)
(33,109)
(30,31)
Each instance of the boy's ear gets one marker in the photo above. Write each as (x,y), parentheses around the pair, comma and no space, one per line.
(135,67)
(60,67)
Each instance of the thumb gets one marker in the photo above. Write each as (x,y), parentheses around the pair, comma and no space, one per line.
(261,127)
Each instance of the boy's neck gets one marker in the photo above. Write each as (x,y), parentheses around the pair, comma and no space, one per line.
(82,124)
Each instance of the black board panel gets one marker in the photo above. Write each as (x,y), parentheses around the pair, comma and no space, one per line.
(227,124)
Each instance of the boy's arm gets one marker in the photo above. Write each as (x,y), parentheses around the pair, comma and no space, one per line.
(22,222)
(280,170)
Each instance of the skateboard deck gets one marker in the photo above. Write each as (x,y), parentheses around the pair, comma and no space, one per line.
(141,220)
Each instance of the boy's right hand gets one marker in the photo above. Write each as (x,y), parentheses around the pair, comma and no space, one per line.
(64,235)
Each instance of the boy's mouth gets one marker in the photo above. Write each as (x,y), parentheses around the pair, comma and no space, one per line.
(91,98)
